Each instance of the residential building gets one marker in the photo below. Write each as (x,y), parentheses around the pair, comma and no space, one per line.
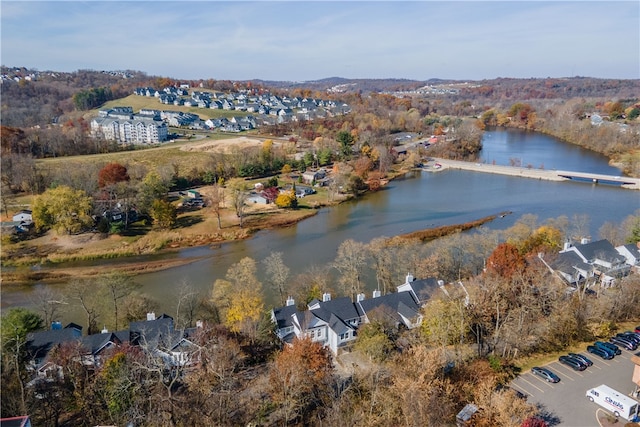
(334,322)
(121,125)
(590,262)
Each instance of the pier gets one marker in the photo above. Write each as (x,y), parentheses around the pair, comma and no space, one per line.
(549,175)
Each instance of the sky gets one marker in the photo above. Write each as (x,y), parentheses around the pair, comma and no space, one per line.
(302,40)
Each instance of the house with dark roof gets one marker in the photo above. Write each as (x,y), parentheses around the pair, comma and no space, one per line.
(570,267)
(334,322)
(39,344)
(156,336)
(607,262)
(421,290)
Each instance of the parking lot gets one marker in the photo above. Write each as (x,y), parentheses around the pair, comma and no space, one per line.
(564,403)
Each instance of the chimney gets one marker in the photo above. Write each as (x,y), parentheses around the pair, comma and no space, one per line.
(104,330)
(360,297)
(441,283)
(376,293)
(326,297)
(409,278)
(290,301)
(584,240)
(199,324)
(151,316)
(566,246)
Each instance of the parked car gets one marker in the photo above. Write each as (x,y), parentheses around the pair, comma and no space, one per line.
(614,348)
(599,352)
(637,330)
(624,343)
(574,364)
(630,335)
(582,358)
(545,374)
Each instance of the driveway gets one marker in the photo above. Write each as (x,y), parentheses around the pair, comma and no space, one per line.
(564,404)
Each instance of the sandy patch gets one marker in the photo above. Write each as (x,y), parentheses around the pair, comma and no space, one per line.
(224,145)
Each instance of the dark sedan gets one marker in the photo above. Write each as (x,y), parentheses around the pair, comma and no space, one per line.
(624,343)
(599,352)
(574,364)
(630,336)
(545,374)
(582,358)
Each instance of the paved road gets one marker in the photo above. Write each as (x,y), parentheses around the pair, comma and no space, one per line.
(565,403)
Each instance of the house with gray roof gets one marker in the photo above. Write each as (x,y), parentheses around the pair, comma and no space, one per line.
(334,322)
(607,262)
(570,267)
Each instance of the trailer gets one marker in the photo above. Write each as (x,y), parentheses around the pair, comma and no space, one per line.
(614,401)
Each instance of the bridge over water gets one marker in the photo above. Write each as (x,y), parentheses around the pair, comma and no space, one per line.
(549,175)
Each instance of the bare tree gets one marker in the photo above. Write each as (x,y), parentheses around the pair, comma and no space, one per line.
(117,286)
(49,303)
(350,262)
(186,305)
(84,293)
(277,273)
(239,194)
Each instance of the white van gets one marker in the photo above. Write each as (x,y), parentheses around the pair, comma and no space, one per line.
(621,405)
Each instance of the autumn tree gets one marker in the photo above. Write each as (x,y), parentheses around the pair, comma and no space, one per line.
(300,380)
(374,341)
(62,208)
(287,199)
(163,214)
(239,298)
(505,261)
(111,174)
(153,187)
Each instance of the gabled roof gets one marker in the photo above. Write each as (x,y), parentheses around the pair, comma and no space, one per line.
(282,316)
(40,343)
(95,343)
(568,262)
(151,331)
(394,306)
(342,307)
(632,249)
(422,290)
(601,249)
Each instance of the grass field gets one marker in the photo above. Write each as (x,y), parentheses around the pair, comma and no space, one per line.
(138,102)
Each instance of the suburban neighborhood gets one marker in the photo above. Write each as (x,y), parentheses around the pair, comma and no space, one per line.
(151,126)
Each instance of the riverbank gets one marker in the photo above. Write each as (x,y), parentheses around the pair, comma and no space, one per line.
(44,258)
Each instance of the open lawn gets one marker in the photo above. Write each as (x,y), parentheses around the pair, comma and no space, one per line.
(138,102)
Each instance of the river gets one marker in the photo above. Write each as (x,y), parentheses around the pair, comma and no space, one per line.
(419,200)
